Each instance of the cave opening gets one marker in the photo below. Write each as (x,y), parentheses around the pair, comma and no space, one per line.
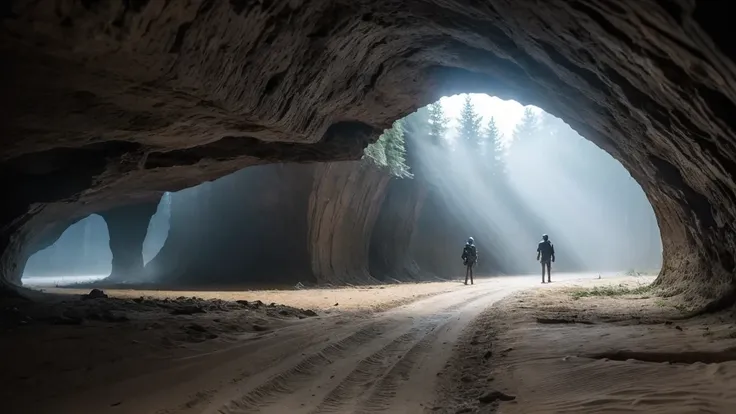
(467,165)
(505,174)
(82,253)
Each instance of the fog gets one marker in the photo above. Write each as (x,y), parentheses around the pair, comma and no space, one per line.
(82,252)
(543,179)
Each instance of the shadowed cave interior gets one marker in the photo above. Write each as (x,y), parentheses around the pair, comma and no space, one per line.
(650,83)
(470,179)
(301,144)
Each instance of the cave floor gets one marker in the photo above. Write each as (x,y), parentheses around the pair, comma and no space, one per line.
(434,347)
(553,350)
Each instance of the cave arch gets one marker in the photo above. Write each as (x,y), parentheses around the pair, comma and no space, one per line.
(81,254)
(183,95)
(112,244)
(506,190)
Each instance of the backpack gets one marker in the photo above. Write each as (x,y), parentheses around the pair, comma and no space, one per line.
(469,253)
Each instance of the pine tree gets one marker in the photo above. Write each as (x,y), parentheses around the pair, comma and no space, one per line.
(469,130)
(376,152)
(494,150)
(437,124)
(527,129)
(389,151)
(396,151)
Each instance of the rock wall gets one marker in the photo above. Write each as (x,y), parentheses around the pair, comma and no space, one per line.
(395,230)
(109,102)
(343,207)
(279,224)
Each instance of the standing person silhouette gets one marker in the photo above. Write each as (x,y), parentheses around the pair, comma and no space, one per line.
(546,256)
(470,258)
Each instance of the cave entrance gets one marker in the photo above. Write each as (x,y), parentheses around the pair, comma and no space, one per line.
(505,174)
(468,165)
(82,253)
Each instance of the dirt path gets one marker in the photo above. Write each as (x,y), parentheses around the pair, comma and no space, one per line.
(388,363)
(592,349)
(378,350)
(344,363)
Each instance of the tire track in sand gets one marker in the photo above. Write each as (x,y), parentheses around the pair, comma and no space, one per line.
(384,391)
(365,373)
(395,358)
(287,381)
(380,374)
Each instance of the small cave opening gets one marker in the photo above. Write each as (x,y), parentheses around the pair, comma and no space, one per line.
(82,253)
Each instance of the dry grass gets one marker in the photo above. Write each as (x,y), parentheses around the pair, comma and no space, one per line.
(620,289)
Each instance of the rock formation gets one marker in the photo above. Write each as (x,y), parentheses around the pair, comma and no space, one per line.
(275,224)
(343,208)
(110,102)
(127,227)
(390,248)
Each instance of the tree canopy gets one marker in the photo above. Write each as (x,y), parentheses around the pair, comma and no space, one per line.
(528,128)
(493,148)
(437,124)
(469,129)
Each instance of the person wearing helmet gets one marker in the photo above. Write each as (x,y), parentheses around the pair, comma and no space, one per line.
(546,256)
(470,258)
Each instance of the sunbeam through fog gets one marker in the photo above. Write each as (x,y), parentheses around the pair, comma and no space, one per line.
(506,191)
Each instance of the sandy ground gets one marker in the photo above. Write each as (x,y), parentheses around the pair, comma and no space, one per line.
(543,351)
(232,352)
(346,299)
(519,346)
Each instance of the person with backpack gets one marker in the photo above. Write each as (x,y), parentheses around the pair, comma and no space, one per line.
(546,256)
(470,258)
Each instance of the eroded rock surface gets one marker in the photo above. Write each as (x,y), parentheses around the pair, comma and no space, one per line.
(344,205)
(110,102)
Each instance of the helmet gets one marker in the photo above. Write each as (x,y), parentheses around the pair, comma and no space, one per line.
(545,237)
(470,240)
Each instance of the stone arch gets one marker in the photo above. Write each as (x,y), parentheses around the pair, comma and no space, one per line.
(184,95)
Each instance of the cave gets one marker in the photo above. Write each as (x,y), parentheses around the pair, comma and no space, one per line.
(110,104)
(81,250)
(369,221)
(112,245)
